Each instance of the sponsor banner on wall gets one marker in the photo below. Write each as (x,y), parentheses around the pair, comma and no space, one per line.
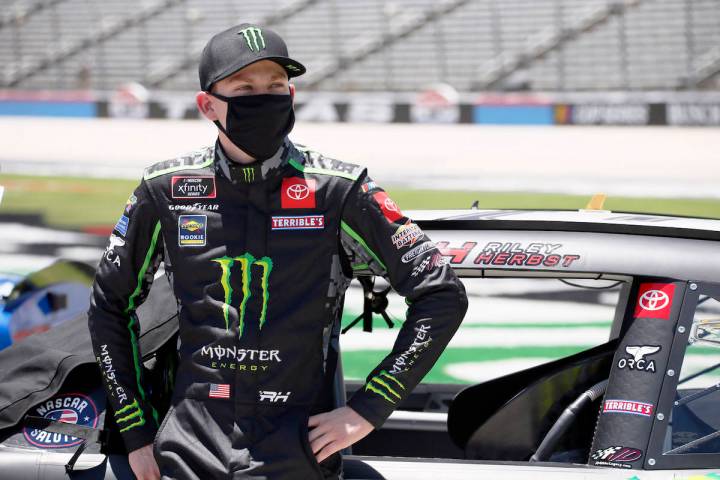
(617,114)
(436,104)
(693,114)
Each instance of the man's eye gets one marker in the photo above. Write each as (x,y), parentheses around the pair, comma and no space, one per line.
(277,85)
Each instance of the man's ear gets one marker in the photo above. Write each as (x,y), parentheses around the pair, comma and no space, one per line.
(205,106)
(292,92)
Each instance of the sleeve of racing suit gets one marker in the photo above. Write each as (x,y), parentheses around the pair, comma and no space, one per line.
(378,237)
(122,281)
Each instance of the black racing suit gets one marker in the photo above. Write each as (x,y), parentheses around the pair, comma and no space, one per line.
(259,257)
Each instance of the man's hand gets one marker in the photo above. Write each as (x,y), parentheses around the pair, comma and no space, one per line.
(143,464)
(335,430)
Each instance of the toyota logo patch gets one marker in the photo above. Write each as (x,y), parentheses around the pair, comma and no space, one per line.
(654,300)
(298,192)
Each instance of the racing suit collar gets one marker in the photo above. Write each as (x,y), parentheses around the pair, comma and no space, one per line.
(253,172)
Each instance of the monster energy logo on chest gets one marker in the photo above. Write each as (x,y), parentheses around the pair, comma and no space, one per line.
(253,38)
(246,262)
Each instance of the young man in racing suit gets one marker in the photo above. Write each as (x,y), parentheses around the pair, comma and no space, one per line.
(260,239)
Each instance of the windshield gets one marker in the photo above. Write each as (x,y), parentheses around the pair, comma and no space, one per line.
(511,324)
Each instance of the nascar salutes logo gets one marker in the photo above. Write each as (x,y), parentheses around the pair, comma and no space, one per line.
(389,208)
(628,406)
(407,234)
(192,230)
(193,187)
(74,408)
(299,222)
(616,456)
(655,300)
(298,193)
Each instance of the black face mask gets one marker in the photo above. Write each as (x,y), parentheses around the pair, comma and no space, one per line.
(258,124)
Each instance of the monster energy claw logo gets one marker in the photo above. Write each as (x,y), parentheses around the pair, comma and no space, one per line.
(129,417)
(248,174)
(253,38)
(246,261)
(384,385)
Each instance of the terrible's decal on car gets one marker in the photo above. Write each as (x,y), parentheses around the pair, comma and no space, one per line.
(619,457)
(638,358)
(74,408)
(628,406)
(512,254)
(655,300)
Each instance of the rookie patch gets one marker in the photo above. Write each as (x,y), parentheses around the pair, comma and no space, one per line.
(192,230)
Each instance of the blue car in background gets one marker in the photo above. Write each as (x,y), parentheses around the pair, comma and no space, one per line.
(45,298)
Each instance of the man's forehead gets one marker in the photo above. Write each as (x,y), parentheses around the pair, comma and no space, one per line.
(263,67)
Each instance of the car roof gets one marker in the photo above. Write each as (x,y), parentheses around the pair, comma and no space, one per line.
(600,221)
(588,243)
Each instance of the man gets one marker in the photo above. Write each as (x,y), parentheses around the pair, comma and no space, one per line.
(260,239)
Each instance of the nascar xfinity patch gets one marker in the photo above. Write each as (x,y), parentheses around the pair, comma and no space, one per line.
(193,187)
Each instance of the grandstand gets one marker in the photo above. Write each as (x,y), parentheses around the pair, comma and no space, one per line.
(363,45)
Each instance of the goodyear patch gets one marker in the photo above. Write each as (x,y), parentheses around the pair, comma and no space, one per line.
(192,230)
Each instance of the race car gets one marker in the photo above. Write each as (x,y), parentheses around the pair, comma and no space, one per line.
(627,389)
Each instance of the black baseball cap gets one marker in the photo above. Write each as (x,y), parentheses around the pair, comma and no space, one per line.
(239,46)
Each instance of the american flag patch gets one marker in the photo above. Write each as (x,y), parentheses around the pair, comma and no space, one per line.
(219,390)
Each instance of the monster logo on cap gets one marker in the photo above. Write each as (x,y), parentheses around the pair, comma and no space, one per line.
(253,38)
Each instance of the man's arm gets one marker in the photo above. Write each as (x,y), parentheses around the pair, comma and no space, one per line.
(122,281)
(374,229)
(376,236)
